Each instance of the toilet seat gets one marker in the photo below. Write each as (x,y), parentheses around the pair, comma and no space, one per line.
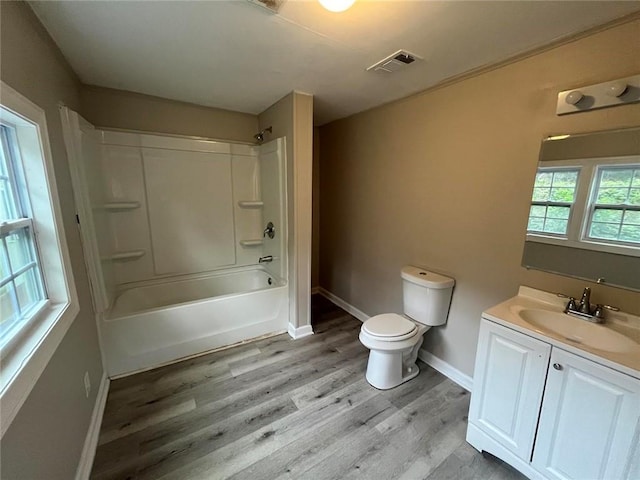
(389,327)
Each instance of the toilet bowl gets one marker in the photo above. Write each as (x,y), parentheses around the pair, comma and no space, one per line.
(394,340)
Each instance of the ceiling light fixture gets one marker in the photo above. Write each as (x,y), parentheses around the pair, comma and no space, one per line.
(337,5)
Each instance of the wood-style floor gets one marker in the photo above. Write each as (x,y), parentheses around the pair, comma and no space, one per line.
(285,409)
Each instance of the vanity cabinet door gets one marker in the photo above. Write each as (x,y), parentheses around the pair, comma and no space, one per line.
(590,422)
(507,387)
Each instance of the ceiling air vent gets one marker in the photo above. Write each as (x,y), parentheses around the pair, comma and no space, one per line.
(394,62)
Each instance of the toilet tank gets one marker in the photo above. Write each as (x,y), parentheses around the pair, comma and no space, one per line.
(426,295)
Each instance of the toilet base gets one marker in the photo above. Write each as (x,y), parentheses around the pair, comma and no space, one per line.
(386,370)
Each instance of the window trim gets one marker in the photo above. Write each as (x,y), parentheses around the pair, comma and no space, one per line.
(579,219)
(24,360)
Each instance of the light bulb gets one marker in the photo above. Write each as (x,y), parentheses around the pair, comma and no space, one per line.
(573,97)
(616,89)
(337,5)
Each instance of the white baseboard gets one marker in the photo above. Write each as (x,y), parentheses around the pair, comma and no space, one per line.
(299,332)
(91,440)
(455,375)
(359,314)
(452,373)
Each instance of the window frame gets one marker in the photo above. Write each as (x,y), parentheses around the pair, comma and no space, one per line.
(26,355)
(22,219)
(547,204)
(579,219)
(593,205)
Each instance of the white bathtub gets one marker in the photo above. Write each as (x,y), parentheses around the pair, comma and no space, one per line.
(151,325)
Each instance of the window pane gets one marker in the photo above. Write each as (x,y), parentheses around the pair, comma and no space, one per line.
(562,195)
(604,215)
(565,179)
(540,194)
(631,218)
(636,178)
(612,196)
(538,211)
(8,308)
(604,230)
(558,212)
(27,290)
(616,177)
(5,272)
(536,224)
(553,225)
(6,212)
(19,246)
(630,233)
(8,208)
(543,179)
(634,196)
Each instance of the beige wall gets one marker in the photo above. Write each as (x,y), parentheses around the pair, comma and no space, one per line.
(292,117)
(46,437)
(443,180)
(106,107)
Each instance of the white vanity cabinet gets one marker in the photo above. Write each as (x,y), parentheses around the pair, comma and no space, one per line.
(507,387)
(589,422)
(550,413)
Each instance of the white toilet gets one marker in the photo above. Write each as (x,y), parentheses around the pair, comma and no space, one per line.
(393,339)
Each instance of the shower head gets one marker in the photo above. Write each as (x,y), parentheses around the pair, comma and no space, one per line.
(260,135)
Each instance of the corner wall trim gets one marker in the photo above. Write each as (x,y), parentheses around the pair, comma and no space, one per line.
(91,440)
(452,373)
(315,290)
(299,332)
(359,314)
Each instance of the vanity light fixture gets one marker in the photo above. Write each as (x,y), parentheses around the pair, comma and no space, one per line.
(607,94)
(616,89)
(337,5)
(574,97)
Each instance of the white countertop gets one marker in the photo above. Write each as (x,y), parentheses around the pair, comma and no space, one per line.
(627,324)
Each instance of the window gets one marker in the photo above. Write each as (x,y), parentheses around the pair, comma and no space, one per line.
(554,192)
(615,209)
(22,293)
(592,204)
(38,300)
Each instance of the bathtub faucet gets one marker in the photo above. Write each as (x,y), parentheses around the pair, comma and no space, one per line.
(266,259)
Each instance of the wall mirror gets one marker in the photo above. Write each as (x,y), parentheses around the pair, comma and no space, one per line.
(584,220)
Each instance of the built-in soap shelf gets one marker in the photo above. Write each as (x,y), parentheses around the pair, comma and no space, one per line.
(250,204)
(252,243)
(115,206)
(128,255)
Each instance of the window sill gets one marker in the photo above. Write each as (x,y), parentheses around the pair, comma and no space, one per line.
(24,363)
(585,245)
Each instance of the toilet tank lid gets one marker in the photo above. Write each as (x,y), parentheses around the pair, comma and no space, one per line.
(426,278)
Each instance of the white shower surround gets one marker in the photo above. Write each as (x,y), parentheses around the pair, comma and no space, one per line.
(155,324)
(150,207)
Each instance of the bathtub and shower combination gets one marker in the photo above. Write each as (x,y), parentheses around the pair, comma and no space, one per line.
(174,241)
(151,325)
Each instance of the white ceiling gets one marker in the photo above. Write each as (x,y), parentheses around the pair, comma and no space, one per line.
(235,55)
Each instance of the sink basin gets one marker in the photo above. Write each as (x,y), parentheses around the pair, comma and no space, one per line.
(577,331)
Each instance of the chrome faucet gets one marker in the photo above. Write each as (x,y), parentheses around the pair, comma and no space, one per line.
(585,301)
(584,309)
(266,259)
